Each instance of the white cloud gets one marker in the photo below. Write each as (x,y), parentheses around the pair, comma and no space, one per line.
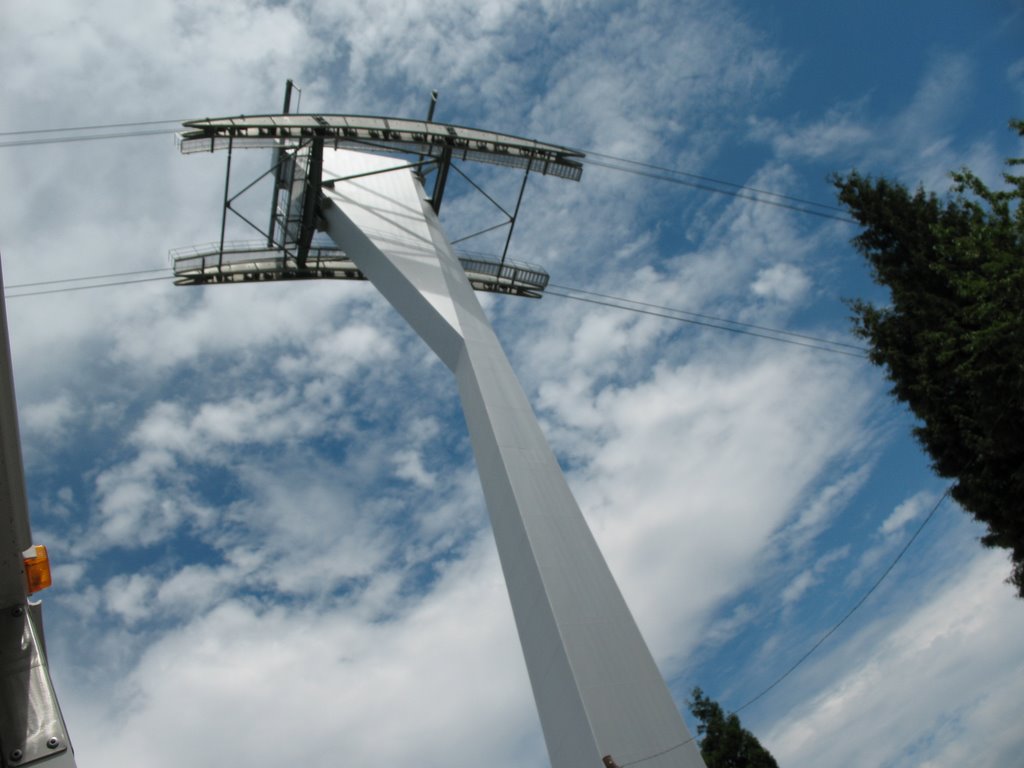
(130,597)
(69,574)
(783,282)
(47,418)
(193,589)
(674,478)
(798,586)
(906,512)
(397,689)
(916,145)
(891,534)
(821,509)
(810,577)
(841,130)
(409,466)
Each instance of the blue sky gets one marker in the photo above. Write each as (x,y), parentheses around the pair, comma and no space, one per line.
(267,527)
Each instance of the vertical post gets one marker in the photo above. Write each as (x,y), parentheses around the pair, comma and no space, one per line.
(442,178)
(32,728)
(420,173)
(224,213)
(512,220)
(310,200)
(287,97)
(278,157)
(15,531)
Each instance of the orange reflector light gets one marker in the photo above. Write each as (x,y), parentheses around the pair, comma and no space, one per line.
(37,570)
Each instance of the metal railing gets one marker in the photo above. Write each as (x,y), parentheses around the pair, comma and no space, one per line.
(253,260)
(510,273)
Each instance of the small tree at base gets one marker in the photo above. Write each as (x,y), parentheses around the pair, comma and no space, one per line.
(724,742)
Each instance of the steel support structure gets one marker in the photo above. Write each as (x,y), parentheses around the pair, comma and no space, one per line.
(598,691)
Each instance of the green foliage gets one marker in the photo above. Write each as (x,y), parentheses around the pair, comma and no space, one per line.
(725,743)
(952,339)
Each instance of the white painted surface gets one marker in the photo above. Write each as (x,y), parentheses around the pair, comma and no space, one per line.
(15,533)
(597,688)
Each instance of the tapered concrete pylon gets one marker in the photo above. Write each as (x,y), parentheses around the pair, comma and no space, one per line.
(597,688)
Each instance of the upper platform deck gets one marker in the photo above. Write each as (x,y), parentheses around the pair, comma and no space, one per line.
(418,137)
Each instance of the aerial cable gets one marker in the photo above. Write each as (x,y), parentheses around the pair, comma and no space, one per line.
(857,605)
(35,131)
(709,179)
(611,162)
(91,277)
(823,638)
(83,287)
(738,191)
(855,347)
(709,321)
(38,136)
(739,330)
(85,137)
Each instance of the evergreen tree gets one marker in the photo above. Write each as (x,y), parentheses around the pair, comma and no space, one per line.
(726,743)
(952,338)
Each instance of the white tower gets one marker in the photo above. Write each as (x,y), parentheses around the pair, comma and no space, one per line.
(599,694)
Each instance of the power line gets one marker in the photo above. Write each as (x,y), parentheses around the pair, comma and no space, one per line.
(612,162)
(736,190)
(84,137)
(743,328)
(745,331)
(39,136)
(714,318)
(709,179)
(857,605)
(91,277)
(824,637)
(106,126)
(659,754)
(82,287)
(616,302)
